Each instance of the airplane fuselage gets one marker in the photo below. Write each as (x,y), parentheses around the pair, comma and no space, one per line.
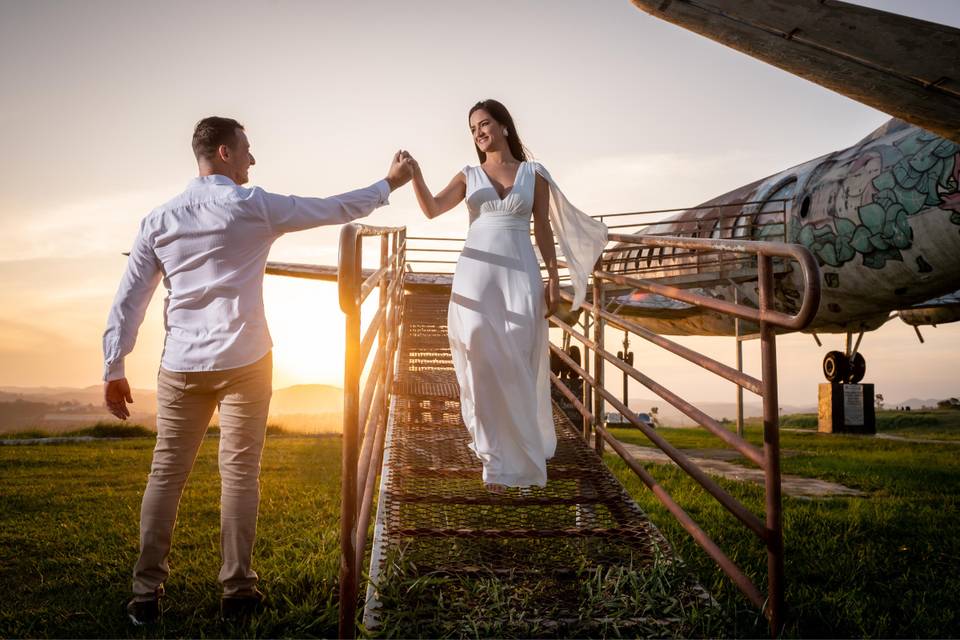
(881,217)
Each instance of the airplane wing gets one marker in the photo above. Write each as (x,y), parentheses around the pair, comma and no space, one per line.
(940,310)
(942,301)
(328,273)
(649,304)
(906,67)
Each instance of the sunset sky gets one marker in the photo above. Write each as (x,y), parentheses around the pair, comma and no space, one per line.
(99,99)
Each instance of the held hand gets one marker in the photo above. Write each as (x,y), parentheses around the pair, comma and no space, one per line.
(116,395)
(414,165)
(401,170)
(551,296)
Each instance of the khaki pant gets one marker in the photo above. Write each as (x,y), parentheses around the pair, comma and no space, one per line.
(185,404)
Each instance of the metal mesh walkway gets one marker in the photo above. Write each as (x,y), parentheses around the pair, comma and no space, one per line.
(435,518)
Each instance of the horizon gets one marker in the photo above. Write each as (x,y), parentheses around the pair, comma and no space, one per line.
(326,101)
(633,401)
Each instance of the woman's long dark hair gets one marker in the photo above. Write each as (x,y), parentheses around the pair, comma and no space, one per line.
(499,113)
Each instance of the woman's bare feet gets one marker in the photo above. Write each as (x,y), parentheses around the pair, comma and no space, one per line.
(492,487)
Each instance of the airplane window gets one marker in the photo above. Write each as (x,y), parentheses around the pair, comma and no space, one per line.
(805,207)
(741,226)
(783,192)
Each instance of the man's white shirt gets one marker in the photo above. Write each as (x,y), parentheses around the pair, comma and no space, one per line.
(209,246)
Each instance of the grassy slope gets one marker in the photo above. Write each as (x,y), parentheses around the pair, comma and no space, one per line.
(887,565)
(68,540)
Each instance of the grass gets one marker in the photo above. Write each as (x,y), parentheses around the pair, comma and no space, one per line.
(68,540)
(128,430)
(99,430)
(933,424)
(647,599)
(885,565)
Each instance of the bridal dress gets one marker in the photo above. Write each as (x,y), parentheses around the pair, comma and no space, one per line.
(498,334)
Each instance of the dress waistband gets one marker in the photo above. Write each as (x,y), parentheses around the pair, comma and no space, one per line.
(506,221)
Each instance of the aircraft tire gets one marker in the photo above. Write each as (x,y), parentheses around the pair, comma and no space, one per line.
(858,368)
(836,367)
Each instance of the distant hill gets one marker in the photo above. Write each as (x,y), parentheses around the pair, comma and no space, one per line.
(59,408)
(915,403)
(718,410)
(306,399)
(146,398)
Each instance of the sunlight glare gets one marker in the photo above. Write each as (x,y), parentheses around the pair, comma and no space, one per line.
(307,328)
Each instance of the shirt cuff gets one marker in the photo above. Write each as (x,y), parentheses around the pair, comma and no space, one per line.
(113,371)
(384,187)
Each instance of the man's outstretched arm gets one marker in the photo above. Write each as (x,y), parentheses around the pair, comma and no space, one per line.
(295,213)
(137,285)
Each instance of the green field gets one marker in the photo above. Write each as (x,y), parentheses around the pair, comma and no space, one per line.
(68,540)
(880,566)
(936,424)
(883,565)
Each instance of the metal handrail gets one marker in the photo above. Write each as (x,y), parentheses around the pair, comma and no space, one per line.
(365,414)
(365,411)
(594,393)
(602,216)
(808,267)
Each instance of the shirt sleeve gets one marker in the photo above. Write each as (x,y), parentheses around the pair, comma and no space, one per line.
(295,213)
(139,281)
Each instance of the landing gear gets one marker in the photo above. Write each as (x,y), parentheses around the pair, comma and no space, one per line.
(836,367)
(845,367)
(858,367)
(845,405)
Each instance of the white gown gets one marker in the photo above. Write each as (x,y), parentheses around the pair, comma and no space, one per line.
(498,335)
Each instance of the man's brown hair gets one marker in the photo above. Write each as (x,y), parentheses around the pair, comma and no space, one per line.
(212,132)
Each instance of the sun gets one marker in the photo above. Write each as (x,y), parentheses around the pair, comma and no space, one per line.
(307,327)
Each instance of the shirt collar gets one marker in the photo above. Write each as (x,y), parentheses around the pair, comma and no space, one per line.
(211,180)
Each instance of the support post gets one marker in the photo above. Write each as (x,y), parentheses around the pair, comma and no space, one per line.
(585,386)
(385,328)
(737,329)
(598,363)
(349,572)
(628,358)
(771,449)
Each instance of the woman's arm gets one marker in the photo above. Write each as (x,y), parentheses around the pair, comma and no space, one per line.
(544,237)
(434,205)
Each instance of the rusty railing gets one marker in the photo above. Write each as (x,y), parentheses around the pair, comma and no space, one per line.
(365,412)
(591,403)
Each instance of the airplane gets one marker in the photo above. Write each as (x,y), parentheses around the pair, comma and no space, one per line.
(882,217)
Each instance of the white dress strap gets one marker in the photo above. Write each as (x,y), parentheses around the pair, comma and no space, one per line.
(581,238)
(471,177)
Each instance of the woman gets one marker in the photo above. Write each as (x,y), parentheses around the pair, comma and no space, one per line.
(498,305)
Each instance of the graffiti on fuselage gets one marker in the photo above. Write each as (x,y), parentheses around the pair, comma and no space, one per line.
(887,184)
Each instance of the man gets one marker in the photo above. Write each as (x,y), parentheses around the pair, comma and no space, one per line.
(209,245)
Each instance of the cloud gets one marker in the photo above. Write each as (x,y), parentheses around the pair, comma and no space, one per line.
(638,182)
(86,228)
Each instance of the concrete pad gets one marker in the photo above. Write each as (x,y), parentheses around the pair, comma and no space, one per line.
(710,462)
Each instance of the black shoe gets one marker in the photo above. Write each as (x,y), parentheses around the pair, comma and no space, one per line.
(143,612)
(242,606)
